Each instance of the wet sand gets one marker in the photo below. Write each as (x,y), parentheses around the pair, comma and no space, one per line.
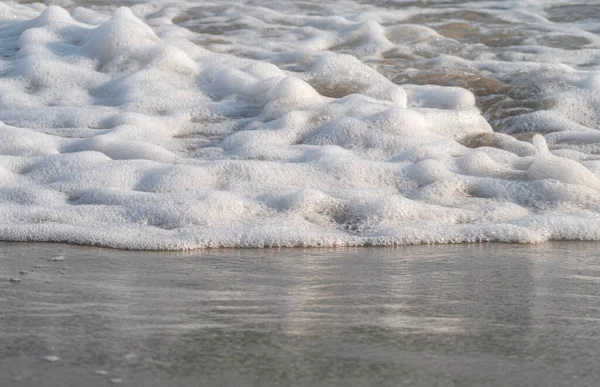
(457,315)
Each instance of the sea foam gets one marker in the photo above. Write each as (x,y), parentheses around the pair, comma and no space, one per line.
(141,128)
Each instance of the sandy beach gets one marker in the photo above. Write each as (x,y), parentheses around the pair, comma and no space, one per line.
(443,315)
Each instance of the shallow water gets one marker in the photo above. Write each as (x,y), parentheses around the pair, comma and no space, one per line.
(182,125)
(464,315)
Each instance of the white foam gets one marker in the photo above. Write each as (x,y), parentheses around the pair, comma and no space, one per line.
(173,126)
(547,166)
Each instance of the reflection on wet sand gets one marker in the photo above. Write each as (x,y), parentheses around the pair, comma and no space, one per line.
(422,315)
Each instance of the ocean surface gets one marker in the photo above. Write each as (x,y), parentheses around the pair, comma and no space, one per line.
(172,125)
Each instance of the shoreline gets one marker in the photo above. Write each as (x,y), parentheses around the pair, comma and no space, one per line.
(292,248)
(484,314)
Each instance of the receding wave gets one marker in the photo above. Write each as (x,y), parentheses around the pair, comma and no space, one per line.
(180,126)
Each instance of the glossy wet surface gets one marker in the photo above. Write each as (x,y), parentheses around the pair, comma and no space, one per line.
(464,315)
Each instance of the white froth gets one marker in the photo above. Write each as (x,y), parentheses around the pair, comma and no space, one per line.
(182,126)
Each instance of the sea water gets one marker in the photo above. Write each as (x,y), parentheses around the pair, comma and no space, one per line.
(191,124)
